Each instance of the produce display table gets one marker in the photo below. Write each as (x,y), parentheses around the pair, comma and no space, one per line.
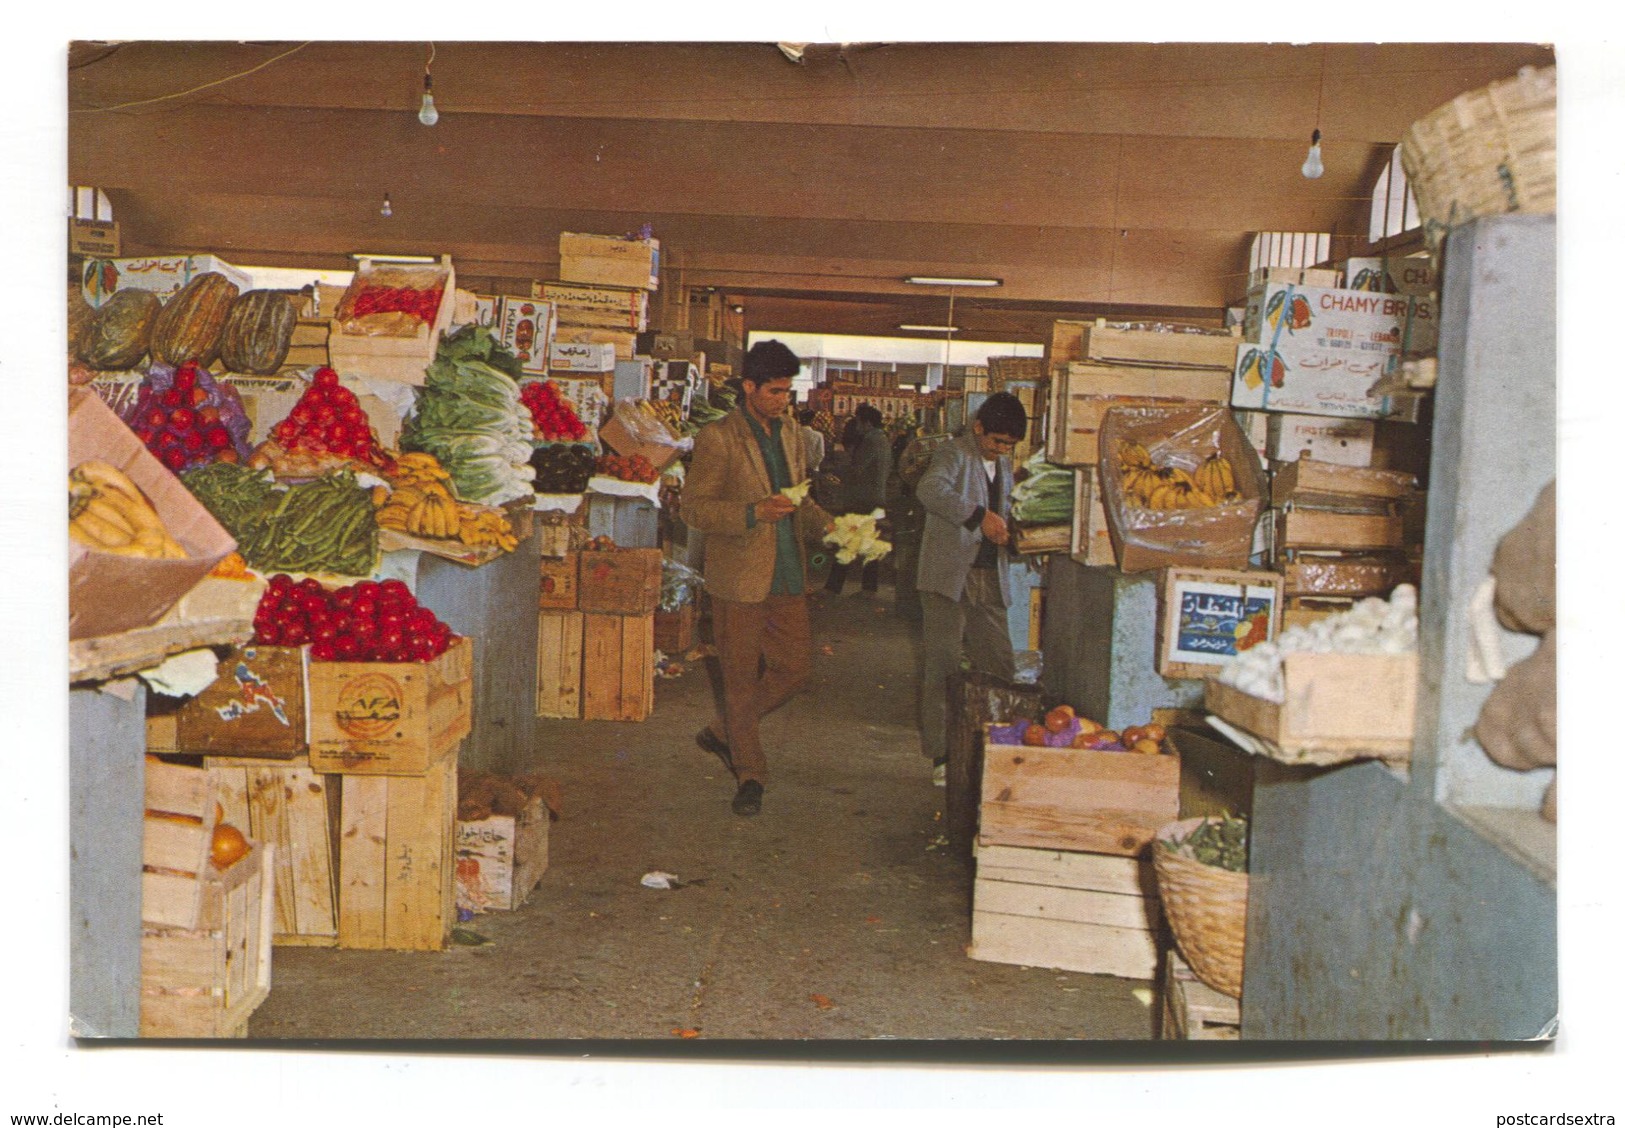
(494,605)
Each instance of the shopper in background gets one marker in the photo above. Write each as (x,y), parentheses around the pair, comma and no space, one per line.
(755,560)
(863,484)
(812,438)
(964,569)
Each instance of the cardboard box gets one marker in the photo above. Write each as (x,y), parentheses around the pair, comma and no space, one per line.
(607,260)
(390,718)
(624,344)
(500,859)
(598,306)
(619,437)
(255,707)
(1220,536)
(1157,343)
(1318,351)
(1345,442)
(525,326)
(1255,425)
(581,357)
(109,593)
(1411,275)
(1206,616)
(1338,707)
(623,581)
(1076,799)
(101,278)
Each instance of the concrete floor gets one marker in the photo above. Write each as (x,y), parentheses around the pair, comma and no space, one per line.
(837,913)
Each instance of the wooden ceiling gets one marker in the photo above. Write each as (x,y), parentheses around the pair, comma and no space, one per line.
(1118,179)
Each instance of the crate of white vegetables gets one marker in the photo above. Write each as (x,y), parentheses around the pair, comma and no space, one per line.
(1342,688)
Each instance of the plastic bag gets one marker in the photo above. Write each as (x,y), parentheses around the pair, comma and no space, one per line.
(679,585)
(1181,436)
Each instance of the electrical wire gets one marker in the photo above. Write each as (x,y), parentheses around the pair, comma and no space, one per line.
(195,89)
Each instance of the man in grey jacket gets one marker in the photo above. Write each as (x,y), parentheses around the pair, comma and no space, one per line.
(964,572)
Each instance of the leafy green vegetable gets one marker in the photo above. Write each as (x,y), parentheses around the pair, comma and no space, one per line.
(1220,842)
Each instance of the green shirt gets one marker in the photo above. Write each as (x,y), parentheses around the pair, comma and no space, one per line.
(789,577)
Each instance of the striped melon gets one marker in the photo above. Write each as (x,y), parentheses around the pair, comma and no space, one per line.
(258,331)
(121,331)
(190,325)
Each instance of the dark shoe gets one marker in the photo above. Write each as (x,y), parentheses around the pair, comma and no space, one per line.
(713,744)
(748,800)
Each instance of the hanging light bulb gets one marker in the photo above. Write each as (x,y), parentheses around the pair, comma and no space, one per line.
(428,115)
(1312,166)
(386,211)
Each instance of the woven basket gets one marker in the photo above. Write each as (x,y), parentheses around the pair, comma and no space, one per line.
(1206,909)
(1489,152)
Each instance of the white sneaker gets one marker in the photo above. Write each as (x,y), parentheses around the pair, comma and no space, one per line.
(939,775)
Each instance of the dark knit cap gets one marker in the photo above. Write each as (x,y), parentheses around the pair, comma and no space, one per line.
(770,360)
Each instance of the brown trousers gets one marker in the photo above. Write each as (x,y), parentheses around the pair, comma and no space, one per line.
(765,650)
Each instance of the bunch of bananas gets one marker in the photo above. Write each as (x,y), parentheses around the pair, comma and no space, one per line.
(669,412)
(482,525)
(420,504)
(1149,486)
(108,513)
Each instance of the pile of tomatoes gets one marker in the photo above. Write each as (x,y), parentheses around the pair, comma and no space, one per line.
(371,621)
(553,417)
(180,425)
(328,420)
(628,469)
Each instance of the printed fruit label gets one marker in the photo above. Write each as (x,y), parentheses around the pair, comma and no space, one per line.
(369,706)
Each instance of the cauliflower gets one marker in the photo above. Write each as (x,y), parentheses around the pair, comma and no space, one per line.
(1371,626)
(856,537)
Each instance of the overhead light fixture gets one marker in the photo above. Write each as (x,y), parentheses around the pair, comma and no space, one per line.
(1312,168)
(386,211)
(359,255)
(934,280)
(931,328)
(427,114)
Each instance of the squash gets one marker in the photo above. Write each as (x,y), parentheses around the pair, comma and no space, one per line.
(80,316)
(258,331)
(121,332)
(190,325)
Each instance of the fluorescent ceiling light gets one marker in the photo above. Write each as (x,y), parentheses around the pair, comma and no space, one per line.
(931,328)
(934,280)
(359,255)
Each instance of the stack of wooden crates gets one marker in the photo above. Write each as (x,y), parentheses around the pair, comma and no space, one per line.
(596,634)
(350,770)
(1063,872)
(1096,366)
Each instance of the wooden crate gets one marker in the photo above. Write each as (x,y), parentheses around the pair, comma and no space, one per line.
(1002,370)
(1338,707)
(1170,345)
(1347,576)
(254,707)
(1074,424)
(401,359)
(177,833)
(390,718)
(1193,1011)
(617,667)
(677,631)
(1073,910)
(1300,528)
(608,260)
(559,533)
(1307,477)
(558,664)
(1033,540)
(1091,538)
(397,858)
(292,808)
(624,581)
(560,587)
(205,981)
(500,859)
(1204,614)
(1076,799)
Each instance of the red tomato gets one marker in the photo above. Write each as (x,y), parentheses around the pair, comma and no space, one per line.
(219,438)
(323,652)
(186,377)
(171,398)
(174,458)
(325,378)
(192,441)
(396,589)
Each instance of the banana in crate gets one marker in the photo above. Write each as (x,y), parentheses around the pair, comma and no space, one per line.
(1151,486)
(421,505)
(107,512)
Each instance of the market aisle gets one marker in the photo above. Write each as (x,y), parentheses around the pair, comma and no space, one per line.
(836,913)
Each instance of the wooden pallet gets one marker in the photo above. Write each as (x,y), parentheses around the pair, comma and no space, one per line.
(1193,1011)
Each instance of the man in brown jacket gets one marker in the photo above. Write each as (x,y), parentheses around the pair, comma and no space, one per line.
(755,561)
